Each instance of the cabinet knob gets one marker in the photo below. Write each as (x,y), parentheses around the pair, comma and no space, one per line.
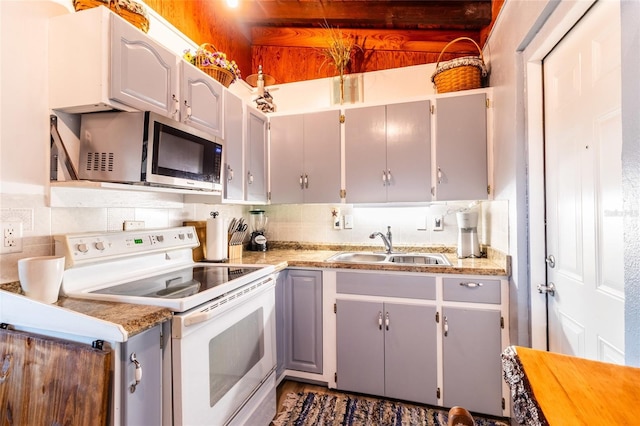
(380,320)
(445,326)
(176,105)
(384,178)
(386,321)
(306,182)
(187,110)
(229,173)
(301,182)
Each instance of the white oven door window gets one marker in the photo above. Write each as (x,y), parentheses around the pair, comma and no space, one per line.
(219,363)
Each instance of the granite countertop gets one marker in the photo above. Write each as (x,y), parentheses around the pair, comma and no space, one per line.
(133,318)
(138,318)
(284,255)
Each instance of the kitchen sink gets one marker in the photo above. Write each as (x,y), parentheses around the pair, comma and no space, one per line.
(420,259)
(393,258)
(358,257)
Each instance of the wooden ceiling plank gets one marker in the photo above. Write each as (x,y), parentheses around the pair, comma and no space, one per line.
(400,14)
(415,41)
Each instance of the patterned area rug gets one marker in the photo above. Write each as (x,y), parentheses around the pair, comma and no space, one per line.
(318,409)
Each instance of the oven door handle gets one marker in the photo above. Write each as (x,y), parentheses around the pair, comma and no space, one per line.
(211,311)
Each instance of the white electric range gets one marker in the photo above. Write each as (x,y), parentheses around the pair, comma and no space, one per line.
(223,328)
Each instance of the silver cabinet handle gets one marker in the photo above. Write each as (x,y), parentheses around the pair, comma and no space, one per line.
(386,321)
(384,178)
(176,105)
(380,320)
(446,326)
(471,285)
(389,177)
(301,182)
(306,182)
(250,176)
(187,110)
(439,175)
(229,173)
(138,373)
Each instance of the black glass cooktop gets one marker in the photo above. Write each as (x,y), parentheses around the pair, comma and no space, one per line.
(181,283)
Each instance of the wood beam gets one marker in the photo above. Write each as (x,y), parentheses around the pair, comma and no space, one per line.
(461,14)
(432,41)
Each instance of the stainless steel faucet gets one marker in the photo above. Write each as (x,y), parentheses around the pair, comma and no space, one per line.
(387,240)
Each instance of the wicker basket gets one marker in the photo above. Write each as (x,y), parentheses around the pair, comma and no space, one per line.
(130,10)
(225,77)
(461,73)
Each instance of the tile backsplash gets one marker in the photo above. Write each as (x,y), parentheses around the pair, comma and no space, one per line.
(313,223)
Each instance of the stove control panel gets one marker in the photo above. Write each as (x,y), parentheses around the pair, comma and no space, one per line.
(78,248)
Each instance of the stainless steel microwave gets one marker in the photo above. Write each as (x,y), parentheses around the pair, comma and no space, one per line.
(147,148)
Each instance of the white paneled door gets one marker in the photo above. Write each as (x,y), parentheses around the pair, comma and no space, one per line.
(583,188)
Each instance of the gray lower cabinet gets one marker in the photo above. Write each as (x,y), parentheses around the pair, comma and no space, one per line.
(387,349)
(471,359)
(142,402)
(299,320)
(471,344)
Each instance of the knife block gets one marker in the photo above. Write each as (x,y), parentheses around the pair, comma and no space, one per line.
(235,252)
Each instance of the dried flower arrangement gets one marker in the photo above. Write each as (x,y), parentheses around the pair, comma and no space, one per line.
(339,51)
(208,56)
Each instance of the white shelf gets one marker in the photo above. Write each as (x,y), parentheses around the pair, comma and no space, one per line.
(84,193)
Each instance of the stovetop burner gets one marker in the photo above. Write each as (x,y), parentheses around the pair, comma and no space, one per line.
(178,284)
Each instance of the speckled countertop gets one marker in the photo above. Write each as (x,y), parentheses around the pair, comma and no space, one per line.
(307,255)
(138,318)
(133,318)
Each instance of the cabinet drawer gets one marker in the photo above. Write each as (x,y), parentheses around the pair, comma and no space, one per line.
(471,290)
(389,285)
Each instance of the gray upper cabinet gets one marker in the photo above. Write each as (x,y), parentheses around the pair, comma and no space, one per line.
(202,100)
(388,153)
(233,148)
(305,158)
(122,68)
(461,148)
(256,156)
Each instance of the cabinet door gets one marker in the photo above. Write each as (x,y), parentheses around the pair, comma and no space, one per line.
(303,321)
(409,152)
(233,148)
(461,148)
(360,346)
(201,100)
(286,159)
(365,154)
(322,165)
(471,359)
(144,74)
(256,173)
(144,405)
(410,352)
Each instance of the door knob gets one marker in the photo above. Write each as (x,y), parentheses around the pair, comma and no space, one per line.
(548,289)
(551,261)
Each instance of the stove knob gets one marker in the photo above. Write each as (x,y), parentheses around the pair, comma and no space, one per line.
(160,238)
(100,245)
(82,248)
(181,236)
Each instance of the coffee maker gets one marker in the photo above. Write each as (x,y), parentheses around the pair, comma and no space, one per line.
(258,222)
(468,245)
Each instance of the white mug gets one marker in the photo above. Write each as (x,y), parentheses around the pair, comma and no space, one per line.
(41,276)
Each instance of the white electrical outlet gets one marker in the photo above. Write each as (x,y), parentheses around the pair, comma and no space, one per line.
(11,237)
(347,221)
(438,223)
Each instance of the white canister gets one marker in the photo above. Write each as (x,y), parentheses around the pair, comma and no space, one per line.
(41,276)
